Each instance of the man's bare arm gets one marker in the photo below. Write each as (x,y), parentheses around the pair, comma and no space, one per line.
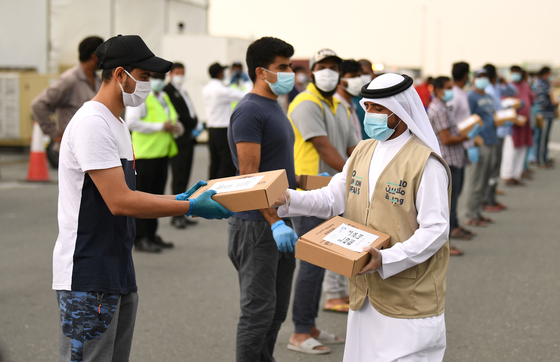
(123,201)
(327,152)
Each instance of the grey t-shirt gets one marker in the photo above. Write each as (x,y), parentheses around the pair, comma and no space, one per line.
(312,121)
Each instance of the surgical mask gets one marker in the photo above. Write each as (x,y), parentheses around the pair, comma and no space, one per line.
(366,78)
(375,125)
(481,83)
(447,95)
(301,78)
(326,79)
(157,84)
(141,92)
(284,84)
(516,77)
(354,85)
(177,80)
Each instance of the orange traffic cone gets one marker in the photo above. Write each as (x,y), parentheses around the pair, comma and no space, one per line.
(38,170)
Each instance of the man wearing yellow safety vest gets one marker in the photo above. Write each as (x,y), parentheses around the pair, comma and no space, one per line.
(153,125)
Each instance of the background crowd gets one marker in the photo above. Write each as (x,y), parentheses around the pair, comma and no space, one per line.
(165,129)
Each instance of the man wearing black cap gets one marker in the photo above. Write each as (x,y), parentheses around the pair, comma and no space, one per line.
(93,272)
(217,103)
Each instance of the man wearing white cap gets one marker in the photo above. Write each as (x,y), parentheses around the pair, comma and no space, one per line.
(324,139)
(397,300)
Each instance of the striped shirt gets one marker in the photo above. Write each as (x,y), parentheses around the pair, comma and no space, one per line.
(440,118)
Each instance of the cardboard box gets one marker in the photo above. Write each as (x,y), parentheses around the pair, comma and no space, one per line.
(313,249)
(520,120)
(510,102)
(266,190)
(504,115)
(466,125)
(313,182)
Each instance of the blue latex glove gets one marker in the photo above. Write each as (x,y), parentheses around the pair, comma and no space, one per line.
(204,206)
(196,132)
(473,154)
(185,195)
(323,174)
(284,236)
(474,132)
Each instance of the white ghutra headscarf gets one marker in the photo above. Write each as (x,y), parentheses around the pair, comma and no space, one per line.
(395,92)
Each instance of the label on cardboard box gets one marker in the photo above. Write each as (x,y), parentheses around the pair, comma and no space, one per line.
(236,185)
(504,115)
(351,238)
(511,102)
(313,247)
(466,125)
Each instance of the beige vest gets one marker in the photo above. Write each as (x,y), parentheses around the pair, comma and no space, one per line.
(419,291)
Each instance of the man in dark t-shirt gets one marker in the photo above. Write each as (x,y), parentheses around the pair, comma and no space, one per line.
(261,244)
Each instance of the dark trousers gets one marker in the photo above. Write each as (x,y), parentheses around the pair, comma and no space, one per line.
(542,157)
(181,166)
(151,177)
(307,292)
(221,163)
(265,283)
(457,176)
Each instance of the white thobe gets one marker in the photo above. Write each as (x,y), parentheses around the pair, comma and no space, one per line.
(372,336)
(513,160)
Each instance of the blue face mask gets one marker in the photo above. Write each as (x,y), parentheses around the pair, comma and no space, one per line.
(447,95)
(375,125)
(481,83)
(284,84)
(516,77)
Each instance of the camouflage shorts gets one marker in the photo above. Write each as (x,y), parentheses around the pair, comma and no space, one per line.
(84,316)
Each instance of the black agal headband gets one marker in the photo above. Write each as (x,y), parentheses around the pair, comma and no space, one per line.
(387,92)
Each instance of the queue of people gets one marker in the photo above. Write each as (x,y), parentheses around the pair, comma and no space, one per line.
(113,173)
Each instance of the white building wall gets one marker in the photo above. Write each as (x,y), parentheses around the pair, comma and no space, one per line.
(23,25)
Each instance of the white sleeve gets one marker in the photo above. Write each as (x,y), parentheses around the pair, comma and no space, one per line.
(228,95)
(433,219)
(94,145)
(323,203)
(133,118)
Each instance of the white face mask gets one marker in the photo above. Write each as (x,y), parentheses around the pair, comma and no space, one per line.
(354,85)
(141,92)
(157,84)
(366,78)
(301,78)
(177,80)
(326,79)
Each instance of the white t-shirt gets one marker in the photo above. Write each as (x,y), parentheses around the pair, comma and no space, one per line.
(93,249)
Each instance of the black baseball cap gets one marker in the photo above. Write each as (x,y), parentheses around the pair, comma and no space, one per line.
(130,50)
(215,69)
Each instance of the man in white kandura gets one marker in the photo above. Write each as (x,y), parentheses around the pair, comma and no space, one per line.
(396,183)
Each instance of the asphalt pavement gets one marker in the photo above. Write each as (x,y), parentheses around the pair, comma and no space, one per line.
(502,295)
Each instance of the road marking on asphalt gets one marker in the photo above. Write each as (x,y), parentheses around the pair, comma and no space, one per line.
(17,185)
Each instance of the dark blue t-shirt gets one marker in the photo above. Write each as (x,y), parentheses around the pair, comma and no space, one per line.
(261,120)
(483,105)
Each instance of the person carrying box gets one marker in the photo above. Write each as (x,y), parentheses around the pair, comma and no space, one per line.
(397,300)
